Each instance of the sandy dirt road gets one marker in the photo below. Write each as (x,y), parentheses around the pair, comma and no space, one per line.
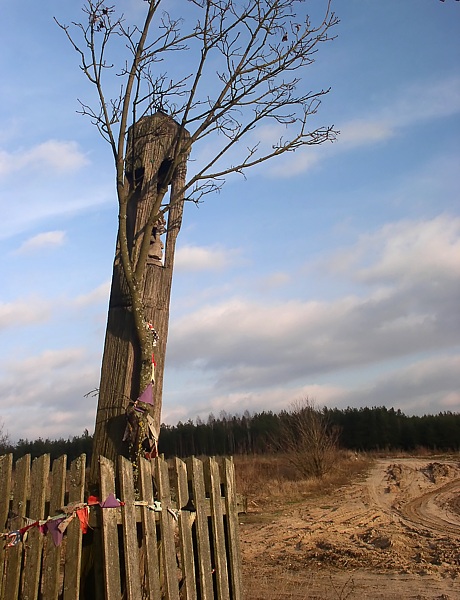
(394,535)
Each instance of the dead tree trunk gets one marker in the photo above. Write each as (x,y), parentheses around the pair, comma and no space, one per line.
(151,145)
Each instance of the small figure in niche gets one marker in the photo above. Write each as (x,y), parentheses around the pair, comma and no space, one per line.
(155,256)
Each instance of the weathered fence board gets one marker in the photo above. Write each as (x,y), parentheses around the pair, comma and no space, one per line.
(111,555)
(171,584)
(6,468)
(204,576)
(52,553)
(133,581)
(173,535)
(32,563)
(14,557)
(74,534)
(232,529)
(218,532)
(186,520)
(150,565)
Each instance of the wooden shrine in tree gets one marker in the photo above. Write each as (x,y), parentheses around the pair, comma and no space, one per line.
(151,146)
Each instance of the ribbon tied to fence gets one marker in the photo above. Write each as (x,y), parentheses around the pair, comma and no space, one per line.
(58,524)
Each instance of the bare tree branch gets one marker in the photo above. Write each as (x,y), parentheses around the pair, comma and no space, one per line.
(227,68)
(309,441)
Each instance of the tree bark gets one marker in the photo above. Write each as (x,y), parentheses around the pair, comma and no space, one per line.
(151,145)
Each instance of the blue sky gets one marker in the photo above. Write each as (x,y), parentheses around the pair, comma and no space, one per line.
(331,273)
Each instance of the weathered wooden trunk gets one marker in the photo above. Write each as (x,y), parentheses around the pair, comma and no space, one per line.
(151,143)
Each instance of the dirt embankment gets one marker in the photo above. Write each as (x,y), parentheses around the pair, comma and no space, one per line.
(395,535)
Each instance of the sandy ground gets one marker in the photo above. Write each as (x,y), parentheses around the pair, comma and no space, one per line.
(394,535)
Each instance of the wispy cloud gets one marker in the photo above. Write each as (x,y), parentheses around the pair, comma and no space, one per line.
(48,239)
(24,312)
(45,201)
(365,131)
(52,385)
(414,251)
(424,386)
(276,280)
(414,104)
(275,399)
(425,100)
(52,155)
(99,294)
(302,161)
(202,258)
(407,305)
(418,102)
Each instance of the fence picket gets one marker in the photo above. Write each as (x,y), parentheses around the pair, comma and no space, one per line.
(171,584)
(52,553)
(218,533)
(18,506)
(6,468)
(228,469)
(204,575)
(34,546)
(186,520)
(150,546)
(72,566)
(131,552)
(110,550)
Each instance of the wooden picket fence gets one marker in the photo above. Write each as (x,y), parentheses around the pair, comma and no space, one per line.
(174,538)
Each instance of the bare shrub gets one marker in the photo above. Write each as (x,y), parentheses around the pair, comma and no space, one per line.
(5,443)
(310,442)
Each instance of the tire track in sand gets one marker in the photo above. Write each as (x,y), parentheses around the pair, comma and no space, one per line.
(425,509)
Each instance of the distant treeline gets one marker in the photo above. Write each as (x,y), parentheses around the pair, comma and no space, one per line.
(72,447)
(361,429)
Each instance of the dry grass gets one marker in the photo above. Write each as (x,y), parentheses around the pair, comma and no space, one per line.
(294,586)
(271,479)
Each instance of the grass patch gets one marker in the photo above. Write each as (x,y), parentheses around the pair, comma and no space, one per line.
(271,480)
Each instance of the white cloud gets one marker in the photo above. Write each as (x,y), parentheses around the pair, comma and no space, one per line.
(413,251)
(450,402)
(408,304)
(99,294)
(51,156)
(359,132)
(301,161)
(268,134)
(426,100)
(24,312)
(415,103)
(275,280)
(51,386)
(429,385)
(417,251)
(425,386)
(47,239)
(274,399)
(201,258)
(248,345)
(44,201)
